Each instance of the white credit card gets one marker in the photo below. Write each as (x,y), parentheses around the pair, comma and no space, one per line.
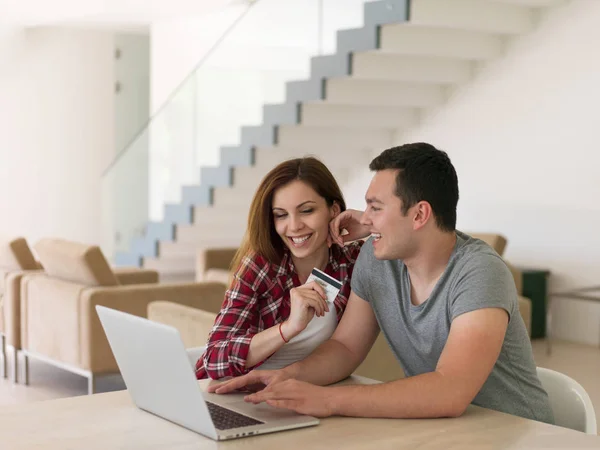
(331,285)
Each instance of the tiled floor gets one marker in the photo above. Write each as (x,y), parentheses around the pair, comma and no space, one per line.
(46,382)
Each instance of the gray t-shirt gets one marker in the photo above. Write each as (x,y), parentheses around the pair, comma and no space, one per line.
(475,278)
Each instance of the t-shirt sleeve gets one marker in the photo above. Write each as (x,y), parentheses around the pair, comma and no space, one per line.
(484,282)
(360,275)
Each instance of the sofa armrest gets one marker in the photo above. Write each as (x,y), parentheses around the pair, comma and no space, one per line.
(133,275)
(193,324)
(11,307)
(213,258)
(50,317)
(96,353)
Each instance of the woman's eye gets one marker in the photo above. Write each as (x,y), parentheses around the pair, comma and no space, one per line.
(307,211)
(279,216)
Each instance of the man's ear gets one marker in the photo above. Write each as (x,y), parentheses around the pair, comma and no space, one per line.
(424,214)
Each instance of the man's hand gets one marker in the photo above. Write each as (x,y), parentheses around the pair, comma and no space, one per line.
(253,381)
(304,398)
(348,220)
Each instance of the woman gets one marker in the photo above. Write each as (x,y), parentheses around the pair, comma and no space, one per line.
(271,317)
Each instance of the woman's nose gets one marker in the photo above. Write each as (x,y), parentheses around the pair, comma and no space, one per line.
(296,223)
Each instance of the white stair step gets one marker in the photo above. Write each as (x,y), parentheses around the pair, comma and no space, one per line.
(420,40)
(196,239)
(334,157)
(378,65)
(221,235)
(332,114)
(357,91)
(473,15)
(346,138)
(250,177)
(233,196)
(214,216)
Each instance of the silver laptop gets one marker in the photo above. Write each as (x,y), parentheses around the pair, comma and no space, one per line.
(161,380)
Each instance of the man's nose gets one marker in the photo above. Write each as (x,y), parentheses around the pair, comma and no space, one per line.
(365,219)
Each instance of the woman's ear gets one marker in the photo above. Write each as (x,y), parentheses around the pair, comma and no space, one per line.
(335,210)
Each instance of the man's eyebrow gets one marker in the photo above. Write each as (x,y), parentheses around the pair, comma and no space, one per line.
(372,200)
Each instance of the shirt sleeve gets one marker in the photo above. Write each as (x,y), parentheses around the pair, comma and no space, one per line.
(484,282)
(360,273)
(236,324)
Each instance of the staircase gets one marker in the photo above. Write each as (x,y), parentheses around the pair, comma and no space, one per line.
(405,62)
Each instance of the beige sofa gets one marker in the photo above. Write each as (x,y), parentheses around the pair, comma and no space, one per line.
(16,261)
(59,323)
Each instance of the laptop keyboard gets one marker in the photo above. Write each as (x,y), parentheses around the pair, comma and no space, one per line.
(225,419)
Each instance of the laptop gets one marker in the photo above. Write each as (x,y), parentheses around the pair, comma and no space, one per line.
(161,381)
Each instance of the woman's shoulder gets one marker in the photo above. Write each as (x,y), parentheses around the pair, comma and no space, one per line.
(252,266)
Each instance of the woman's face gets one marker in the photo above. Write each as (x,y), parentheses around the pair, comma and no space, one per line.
(301,218)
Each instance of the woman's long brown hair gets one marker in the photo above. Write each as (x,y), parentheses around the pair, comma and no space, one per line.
(261,237)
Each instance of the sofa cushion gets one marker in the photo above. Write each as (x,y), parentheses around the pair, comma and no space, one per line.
(75,262)
(15,254)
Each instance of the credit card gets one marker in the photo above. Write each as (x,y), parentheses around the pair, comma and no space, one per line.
(328,283)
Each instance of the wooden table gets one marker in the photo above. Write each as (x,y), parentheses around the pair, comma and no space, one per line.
(111,421)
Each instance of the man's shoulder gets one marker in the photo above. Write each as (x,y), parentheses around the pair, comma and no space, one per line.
(474,255)
(475,250)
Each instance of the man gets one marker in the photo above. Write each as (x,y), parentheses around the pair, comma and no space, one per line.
(446,303)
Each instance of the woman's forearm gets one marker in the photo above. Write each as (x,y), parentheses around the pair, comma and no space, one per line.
(267,342)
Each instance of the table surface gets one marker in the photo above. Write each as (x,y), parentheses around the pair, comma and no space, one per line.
(110,420)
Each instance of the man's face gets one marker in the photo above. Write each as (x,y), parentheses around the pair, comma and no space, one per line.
(393,232)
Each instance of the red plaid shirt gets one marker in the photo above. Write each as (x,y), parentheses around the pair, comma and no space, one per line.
(258,299)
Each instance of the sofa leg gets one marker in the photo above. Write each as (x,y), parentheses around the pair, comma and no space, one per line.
(91,384)
(23,365)
(3,371)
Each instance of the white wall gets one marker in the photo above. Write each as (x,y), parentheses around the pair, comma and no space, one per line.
(525,140)
(56,132)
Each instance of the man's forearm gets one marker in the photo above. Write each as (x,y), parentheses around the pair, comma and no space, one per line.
(329,363)
(428,395)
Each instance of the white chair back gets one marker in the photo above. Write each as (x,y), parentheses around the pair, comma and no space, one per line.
(570,402)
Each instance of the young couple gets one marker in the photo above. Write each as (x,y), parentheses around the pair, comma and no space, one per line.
(445,302)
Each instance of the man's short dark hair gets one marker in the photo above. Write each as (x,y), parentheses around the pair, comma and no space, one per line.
(425,174)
